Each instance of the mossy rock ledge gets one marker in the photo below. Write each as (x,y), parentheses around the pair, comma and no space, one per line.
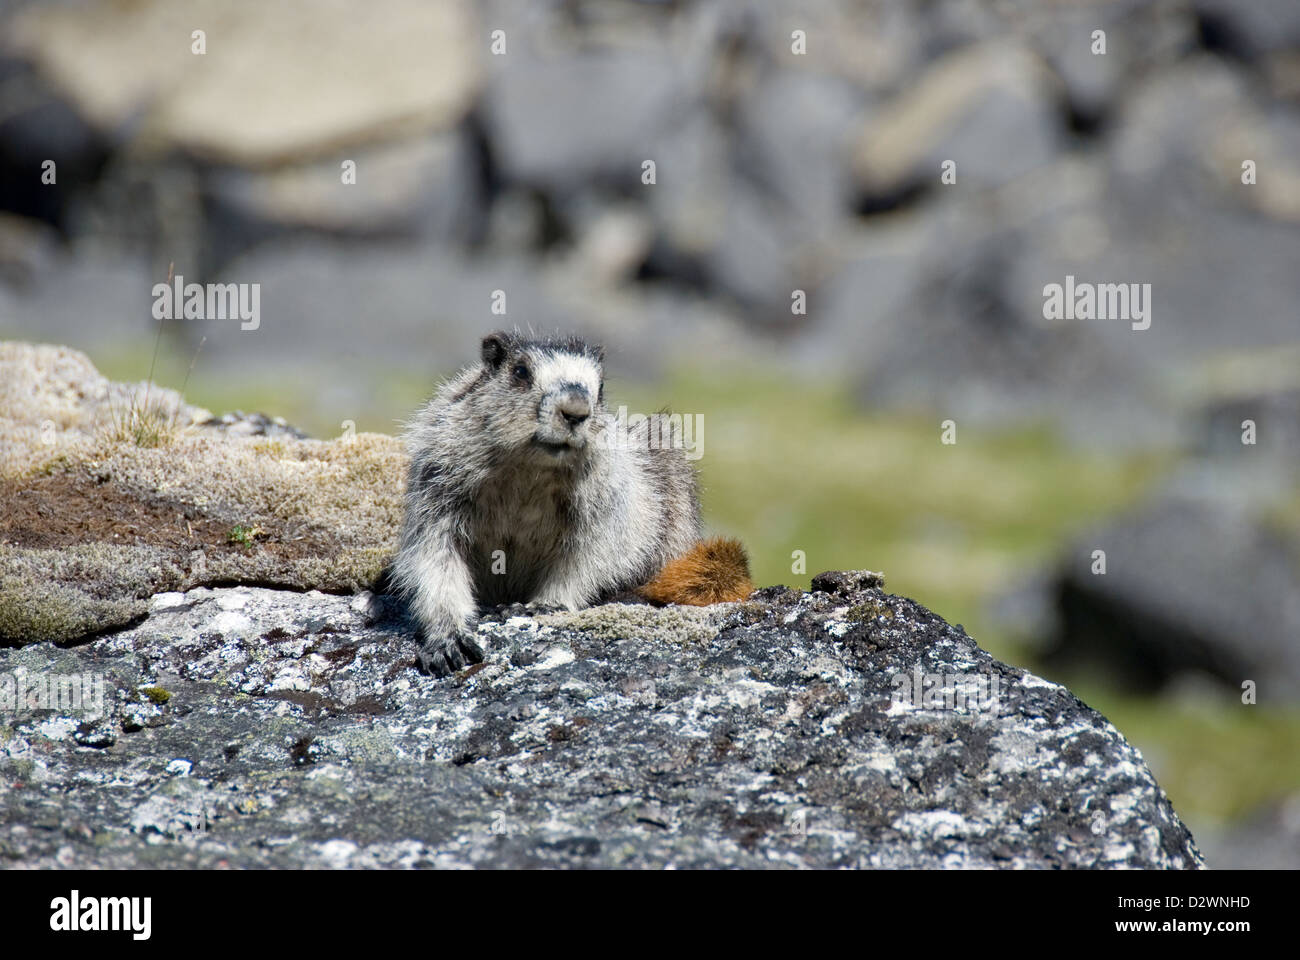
(253,726)
(96,517)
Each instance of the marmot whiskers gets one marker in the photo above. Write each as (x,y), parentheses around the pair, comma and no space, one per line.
(523,488)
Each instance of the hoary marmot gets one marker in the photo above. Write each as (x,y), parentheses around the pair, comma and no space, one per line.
(524,488)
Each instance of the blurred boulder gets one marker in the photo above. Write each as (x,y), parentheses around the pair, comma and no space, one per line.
(1188,587)
(1275,416)
(940,310)
(37,127)
(795,131)
(1141,36)
(1182,135)
(419,186)
(1251,29)
(994,109)
(27,251)
(277,82)
(1220,279)
(56,292)
(967,350)
(565,117)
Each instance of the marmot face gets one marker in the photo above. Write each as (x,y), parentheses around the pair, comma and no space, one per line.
(540,399)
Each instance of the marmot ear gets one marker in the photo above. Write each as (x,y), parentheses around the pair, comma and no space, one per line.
(494,349)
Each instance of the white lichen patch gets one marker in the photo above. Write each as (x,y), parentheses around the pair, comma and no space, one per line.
(231,624)
(1117,851)
(57,728)
(1125,768)
(337,853)
(900,707)
(884,762)
(837,628)
(166,601)
(1030,682)
(1021,749)
(938,824)
(556,656)
(749,693)
(232,599)
(1125,802)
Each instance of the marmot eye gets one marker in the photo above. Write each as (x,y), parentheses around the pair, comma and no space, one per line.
(520,372)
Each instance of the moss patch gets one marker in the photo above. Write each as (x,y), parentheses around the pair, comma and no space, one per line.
(616,621)
(92,523)
(156,694)
(863,612)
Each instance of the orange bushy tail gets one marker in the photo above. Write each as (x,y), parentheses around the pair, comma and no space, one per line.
(712,571)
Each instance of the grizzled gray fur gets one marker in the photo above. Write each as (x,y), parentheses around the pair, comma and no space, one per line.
(524,488)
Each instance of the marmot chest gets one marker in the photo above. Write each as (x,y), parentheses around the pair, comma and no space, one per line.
(522,523)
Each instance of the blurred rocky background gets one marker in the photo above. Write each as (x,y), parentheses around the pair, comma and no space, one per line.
(799,273)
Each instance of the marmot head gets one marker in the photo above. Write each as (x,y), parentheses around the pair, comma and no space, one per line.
(546,396)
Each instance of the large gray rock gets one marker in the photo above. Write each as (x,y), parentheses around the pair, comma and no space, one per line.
(253,728)
(1180,138)
(944,311)
(274,82)
(417,186)
(561,115)
(37,127)
(1191,586)
(1250,30)
(938,313)
(990,108)
(1276,418)
(1142,36)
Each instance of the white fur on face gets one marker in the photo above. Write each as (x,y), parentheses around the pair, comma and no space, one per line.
(551,370)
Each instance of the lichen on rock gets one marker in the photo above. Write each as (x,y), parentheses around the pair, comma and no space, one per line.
(296,732)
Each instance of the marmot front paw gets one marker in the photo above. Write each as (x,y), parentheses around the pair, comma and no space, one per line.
(445,655)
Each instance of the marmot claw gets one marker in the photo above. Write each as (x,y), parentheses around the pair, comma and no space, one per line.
(444,656)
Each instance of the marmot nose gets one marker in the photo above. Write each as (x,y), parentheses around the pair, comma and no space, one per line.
(575,408)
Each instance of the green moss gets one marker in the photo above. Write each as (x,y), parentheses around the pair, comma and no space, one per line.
(56,464)
(366,565)
(244,535)
(36,610)
(618,621)
(869,611)
(272,448)
(56,595)
(155,694)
